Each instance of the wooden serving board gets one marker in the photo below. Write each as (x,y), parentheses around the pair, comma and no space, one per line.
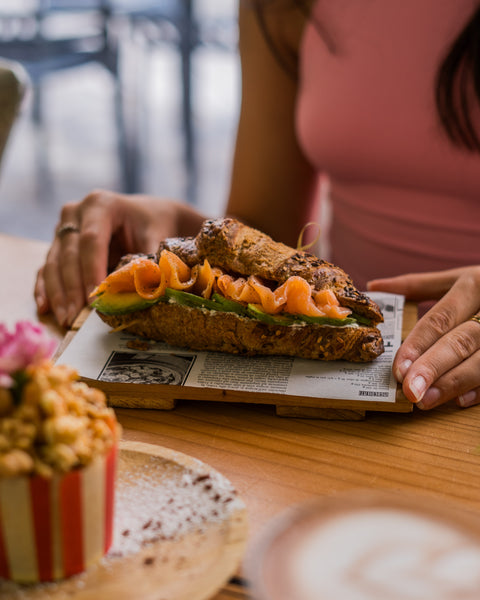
(193,563)
(165,397)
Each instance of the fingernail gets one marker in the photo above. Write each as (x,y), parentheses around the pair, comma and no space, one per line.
(61,315)
(468,399)
(402,369)
(71,313)
(430,398)
(41,303)
(418,387)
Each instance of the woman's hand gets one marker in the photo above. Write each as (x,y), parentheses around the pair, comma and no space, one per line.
(440,358)
(92,236)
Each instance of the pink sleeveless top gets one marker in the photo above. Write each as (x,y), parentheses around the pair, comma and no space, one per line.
(403,198)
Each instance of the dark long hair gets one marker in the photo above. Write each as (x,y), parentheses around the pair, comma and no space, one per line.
(457,75)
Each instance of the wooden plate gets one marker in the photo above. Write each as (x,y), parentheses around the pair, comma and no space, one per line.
(180,533)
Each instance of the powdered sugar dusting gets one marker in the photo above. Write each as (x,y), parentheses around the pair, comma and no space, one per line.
(163,501)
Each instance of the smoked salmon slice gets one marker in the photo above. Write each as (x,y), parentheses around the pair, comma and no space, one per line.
(147,278)
(328,302)
(150,280)
(121,280)
(205,277)
(298,294)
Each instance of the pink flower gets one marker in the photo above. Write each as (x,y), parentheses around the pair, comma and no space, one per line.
(28,344)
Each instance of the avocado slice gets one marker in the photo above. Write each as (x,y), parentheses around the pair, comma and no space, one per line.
(361,320)
(192,300)
(326,320)
(289,319)
(229,305)
(117,304)
(260,315)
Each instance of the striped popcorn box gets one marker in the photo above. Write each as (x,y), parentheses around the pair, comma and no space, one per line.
(53,528)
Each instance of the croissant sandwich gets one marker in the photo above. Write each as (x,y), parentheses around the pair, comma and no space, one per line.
(233,289)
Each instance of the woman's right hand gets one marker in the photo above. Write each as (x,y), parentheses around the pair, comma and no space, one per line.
(92,236)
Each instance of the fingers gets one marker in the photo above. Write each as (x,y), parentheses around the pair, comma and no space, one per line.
(456,307)
(76,261)
(448,370)
(440,359)
(94,242)
(49,290)
(54,280)
(470,398)
(419,286)
(40,294)
(70,280)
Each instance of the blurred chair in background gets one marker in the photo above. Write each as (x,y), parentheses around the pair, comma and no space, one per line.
(13,85)
(172,22)
(186,25)
(48,36)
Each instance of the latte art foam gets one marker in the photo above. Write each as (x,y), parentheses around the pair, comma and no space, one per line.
(385,554)
(369,546)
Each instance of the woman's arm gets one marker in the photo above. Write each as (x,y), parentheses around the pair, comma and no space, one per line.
(273,187)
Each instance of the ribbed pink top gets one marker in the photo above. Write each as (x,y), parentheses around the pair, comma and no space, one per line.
(403,197)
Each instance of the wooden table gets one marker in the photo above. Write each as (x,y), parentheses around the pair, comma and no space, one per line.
(275,462)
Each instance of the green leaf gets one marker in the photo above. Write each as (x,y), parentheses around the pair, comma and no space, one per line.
(20,378)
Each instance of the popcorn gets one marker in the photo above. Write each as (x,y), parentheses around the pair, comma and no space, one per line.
(57,421)
(58,442)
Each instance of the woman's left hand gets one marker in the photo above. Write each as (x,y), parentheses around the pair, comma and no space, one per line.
(440,358)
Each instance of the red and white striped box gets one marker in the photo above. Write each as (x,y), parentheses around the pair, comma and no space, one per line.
(53,528)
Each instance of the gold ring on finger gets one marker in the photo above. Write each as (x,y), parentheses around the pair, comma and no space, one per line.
(475,318)
(67,228)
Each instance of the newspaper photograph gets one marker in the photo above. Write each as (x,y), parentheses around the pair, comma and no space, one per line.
(98,353)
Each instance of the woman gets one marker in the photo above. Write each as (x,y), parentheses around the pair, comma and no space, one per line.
(385,98)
